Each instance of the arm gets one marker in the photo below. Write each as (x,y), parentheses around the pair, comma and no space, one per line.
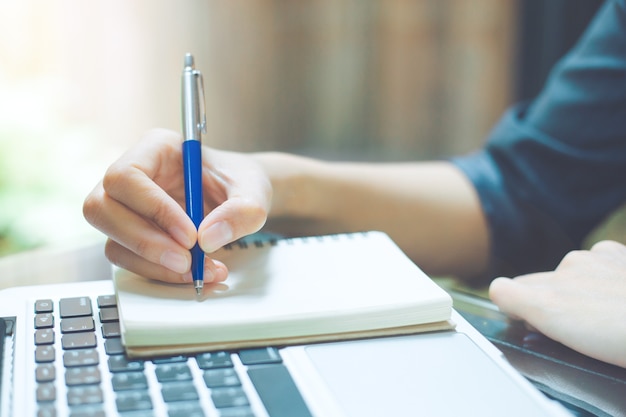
(553,169)
(430,209)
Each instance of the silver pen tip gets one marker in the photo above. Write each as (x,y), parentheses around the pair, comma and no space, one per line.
(188,60)
(198,291)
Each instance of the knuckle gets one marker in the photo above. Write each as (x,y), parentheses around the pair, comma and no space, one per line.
(112,253)
(93,206)
(573,258)
(570,257)
(252,208)
(142,247)
(258,215)
(605,246)
(254,214)
(112,177)
(158,212)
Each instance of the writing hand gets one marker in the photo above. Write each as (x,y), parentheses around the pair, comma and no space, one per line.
(581,304)
(139,205)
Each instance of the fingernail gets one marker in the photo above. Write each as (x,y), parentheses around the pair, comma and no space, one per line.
(215,237)
(175,261)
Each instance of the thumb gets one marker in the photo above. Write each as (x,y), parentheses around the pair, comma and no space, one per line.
(235,218)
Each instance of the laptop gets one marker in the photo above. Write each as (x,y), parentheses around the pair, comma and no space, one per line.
(62,356)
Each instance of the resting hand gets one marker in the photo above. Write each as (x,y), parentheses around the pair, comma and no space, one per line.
(582,304)
(139,205)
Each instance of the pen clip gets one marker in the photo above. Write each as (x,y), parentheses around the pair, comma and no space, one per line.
(200,84)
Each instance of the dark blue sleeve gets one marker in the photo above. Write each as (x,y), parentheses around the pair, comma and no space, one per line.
(553,169)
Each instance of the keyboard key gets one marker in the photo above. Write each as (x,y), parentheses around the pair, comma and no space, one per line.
(236,412)
(113,346)
(84,395)
(44,306)
(78,340)
(45,373)
(185,409)
(109,314)
(80,357)
(106,301)
(75,307)
(259,356)
(77,324)
(44,321)
(87,411)
(44,354)
(229,397)
(46,392)
(133,401)
(9,325)
(124,381)
(178,391)
(278,392)
(111,329)
(84,375)
(170,359)
(44,337)
(120,363)
(129,380)
(225,377)
(47,410)
(214,360)
(173,372)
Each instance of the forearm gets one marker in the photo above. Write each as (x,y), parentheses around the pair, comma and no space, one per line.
(429,209)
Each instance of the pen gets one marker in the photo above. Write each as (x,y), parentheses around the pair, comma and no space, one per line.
(194,124)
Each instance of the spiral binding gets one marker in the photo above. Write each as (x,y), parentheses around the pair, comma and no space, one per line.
(260,240)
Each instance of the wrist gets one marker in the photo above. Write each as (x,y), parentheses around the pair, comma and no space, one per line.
(296,185)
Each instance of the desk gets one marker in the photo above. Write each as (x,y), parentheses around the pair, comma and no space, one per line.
(52,266)
(586,385)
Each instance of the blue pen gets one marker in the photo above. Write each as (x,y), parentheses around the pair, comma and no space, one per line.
(194,124)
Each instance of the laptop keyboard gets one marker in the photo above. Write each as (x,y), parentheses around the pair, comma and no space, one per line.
(81,370)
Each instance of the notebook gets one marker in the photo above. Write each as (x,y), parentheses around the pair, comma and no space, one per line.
(282,292)
(62,355)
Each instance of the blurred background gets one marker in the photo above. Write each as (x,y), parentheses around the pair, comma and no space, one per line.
(80,82)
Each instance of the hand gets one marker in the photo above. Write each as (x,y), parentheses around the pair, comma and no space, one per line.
(139,205)
(582,304)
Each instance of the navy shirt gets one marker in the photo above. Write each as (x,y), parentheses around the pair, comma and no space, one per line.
(554,168)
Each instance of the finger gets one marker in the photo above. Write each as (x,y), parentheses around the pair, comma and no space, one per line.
(516,298)
(221,271)
(124,258)
(242,195)
(233,219)
(148,180)
(214,271)
(498,293)
(133,232)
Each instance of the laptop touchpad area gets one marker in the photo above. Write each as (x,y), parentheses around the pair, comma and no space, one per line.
(442,374)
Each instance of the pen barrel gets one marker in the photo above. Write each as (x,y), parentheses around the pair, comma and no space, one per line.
(192,164)
(194,205)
